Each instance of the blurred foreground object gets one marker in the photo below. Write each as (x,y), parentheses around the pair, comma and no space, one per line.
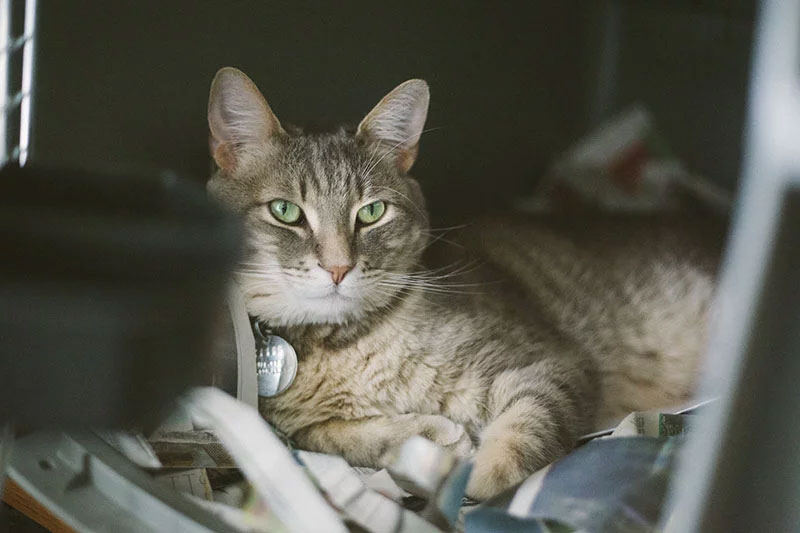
(741,472)
(420,466)
(266,463)
(109,287)
(624,165)
(277,489)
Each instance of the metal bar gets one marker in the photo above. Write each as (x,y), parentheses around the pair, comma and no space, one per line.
(15,44)
(12,102)
(13,40)
(5,38)
(740,472)
(26,106)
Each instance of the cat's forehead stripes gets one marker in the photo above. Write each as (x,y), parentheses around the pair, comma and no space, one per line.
(303,189)
(330,168)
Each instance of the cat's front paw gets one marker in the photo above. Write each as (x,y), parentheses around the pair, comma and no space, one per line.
(447,434)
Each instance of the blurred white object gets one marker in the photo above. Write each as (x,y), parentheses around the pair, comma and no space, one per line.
(133,446)
(372,511)
(265,461)
(419,466)
(624,165)
(383,483)
(247,390)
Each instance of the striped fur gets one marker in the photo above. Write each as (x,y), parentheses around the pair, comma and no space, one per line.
(531,332)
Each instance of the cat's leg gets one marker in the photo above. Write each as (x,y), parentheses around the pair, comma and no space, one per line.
(364,441)
(537,412)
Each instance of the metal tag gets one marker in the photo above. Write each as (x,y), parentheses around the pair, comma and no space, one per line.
(276,362)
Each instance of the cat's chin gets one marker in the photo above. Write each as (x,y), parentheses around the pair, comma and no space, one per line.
(289,312)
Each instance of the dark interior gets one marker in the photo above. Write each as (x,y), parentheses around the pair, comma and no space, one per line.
(123,86)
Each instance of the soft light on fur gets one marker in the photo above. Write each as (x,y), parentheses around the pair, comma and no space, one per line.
(522,341)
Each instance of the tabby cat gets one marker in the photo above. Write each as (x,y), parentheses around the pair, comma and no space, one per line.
(540,328)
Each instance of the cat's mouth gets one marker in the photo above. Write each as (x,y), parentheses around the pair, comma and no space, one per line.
(335,294)
(310,300)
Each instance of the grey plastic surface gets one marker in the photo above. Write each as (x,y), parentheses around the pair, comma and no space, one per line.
(91,487)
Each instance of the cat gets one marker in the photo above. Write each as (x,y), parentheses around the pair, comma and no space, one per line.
(543,327)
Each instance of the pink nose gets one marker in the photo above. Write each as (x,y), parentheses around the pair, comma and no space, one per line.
(338,272)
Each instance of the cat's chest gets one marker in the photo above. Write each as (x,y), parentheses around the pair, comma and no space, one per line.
(376,375)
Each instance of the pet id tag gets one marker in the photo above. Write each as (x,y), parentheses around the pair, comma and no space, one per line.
(276,361)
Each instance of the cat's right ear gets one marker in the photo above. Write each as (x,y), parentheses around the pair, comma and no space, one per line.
(239,118)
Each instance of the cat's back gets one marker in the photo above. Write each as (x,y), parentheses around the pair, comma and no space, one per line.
(618,259)
(633,290)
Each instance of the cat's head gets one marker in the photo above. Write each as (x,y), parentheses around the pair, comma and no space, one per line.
(334,221)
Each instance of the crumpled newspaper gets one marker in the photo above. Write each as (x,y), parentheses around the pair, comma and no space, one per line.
(287,490)
(610,485)
(615,482)
(374,502)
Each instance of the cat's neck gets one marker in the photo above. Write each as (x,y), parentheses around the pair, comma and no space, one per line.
(338,336)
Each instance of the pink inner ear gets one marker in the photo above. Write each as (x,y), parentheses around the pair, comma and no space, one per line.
(406,158)
(213,144)
(223,154)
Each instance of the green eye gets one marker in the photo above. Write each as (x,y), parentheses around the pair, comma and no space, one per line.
(285,211)
(370,213)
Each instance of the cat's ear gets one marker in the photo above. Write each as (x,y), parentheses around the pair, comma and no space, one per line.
(239,118)
(397,121)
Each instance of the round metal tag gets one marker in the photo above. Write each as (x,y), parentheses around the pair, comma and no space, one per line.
(276,362)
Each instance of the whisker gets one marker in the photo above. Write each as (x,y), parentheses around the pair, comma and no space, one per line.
(410,202)
(449,228)
(393,148)
(440,273)
(431,289)
(436,239)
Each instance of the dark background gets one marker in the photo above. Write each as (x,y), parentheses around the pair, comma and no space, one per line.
(123,86)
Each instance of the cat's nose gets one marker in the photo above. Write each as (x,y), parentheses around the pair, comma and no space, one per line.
(338,272)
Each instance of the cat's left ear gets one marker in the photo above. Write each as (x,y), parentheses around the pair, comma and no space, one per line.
(397,121)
